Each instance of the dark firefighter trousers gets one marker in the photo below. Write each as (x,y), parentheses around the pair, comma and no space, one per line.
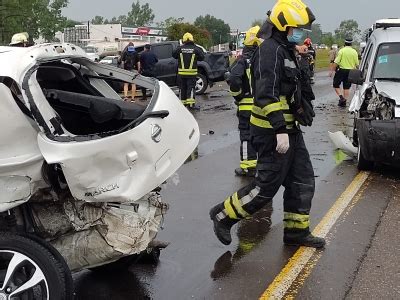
(293,170)
(188,92)
(248,155)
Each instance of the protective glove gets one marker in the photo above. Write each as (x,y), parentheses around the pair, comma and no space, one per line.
(304,112)
(282,140)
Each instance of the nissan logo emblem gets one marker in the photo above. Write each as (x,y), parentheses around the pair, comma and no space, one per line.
(156,133)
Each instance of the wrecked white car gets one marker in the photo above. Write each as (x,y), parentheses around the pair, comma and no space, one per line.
(80,169)
(376,103)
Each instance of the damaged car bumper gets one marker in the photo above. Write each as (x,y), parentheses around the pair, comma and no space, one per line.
(380,140)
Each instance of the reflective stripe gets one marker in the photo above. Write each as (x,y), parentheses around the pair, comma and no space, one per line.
(234,94)
(189,102)
(248,72)
(245,107)
(229,209)
(247,101)
(244,151)
(248,164)
(238,205)
(296,221)
(290,64)
(250,196)
(273,107)
(192,61)
(190,71)
(187,72)
(246,104)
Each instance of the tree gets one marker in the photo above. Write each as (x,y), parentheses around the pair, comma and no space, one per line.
(167,23)
(37,17)
(218,29)
(140,15)
(97,20)
(201,36)
(347,28)
(328,39)
(316,34)
(71,23)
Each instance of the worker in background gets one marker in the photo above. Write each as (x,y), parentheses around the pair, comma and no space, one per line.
(148,61)
(20,40)
(310,58)
(346,60)
(332,56)
(279,106)
(240,88)
(188,55)
(130,62)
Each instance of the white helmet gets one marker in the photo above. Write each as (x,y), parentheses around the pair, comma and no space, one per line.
(19,38)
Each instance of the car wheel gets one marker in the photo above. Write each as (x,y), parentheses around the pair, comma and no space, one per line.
(363,164)
(29,271)
(201,84)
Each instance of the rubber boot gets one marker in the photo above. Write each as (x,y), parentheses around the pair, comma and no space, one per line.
(302,238)
(222,228)
(243,172)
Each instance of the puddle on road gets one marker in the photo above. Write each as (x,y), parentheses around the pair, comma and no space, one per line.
(250,233)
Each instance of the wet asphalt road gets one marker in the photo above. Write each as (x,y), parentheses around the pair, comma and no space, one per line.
(196,266)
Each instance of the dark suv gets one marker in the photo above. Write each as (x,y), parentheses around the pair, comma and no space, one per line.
(211,70)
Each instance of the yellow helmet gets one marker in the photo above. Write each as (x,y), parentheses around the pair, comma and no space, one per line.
(187,37)
(19,38)
(251,36)
(291,13)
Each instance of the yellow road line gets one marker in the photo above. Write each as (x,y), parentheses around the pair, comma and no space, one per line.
(298,262)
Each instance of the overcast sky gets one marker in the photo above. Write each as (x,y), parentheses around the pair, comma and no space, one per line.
(329,13)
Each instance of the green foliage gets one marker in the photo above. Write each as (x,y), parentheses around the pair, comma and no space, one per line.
(328,39)
(218,29)
(140,15)
(97,20)
(201,36)
(71,23)
(37,17)
(347,28)
(316,34)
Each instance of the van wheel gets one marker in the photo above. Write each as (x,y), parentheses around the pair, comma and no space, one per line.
(29,271)
(363,164)
(201,84)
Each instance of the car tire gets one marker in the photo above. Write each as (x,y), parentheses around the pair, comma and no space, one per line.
(362,163)
(201,84)
(31,263)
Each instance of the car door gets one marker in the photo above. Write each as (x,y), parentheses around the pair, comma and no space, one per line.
(167,66)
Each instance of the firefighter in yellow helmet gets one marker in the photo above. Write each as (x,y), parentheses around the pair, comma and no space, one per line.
(281,103)
(188,55)
(20,40)
(240,88)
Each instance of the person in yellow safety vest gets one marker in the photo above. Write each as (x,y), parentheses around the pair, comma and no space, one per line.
(20,40)
(240,88)
(279,107)
(188,55)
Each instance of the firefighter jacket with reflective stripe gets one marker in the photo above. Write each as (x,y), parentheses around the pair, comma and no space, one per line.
(275,74)
(188,55)
(240,82)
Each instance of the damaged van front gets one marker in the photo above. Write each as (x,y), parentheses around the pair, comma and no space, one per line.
(376,103)
(79,167)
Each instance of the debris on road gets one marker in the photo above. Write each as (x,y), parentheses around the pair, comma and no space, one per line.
(343,143)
